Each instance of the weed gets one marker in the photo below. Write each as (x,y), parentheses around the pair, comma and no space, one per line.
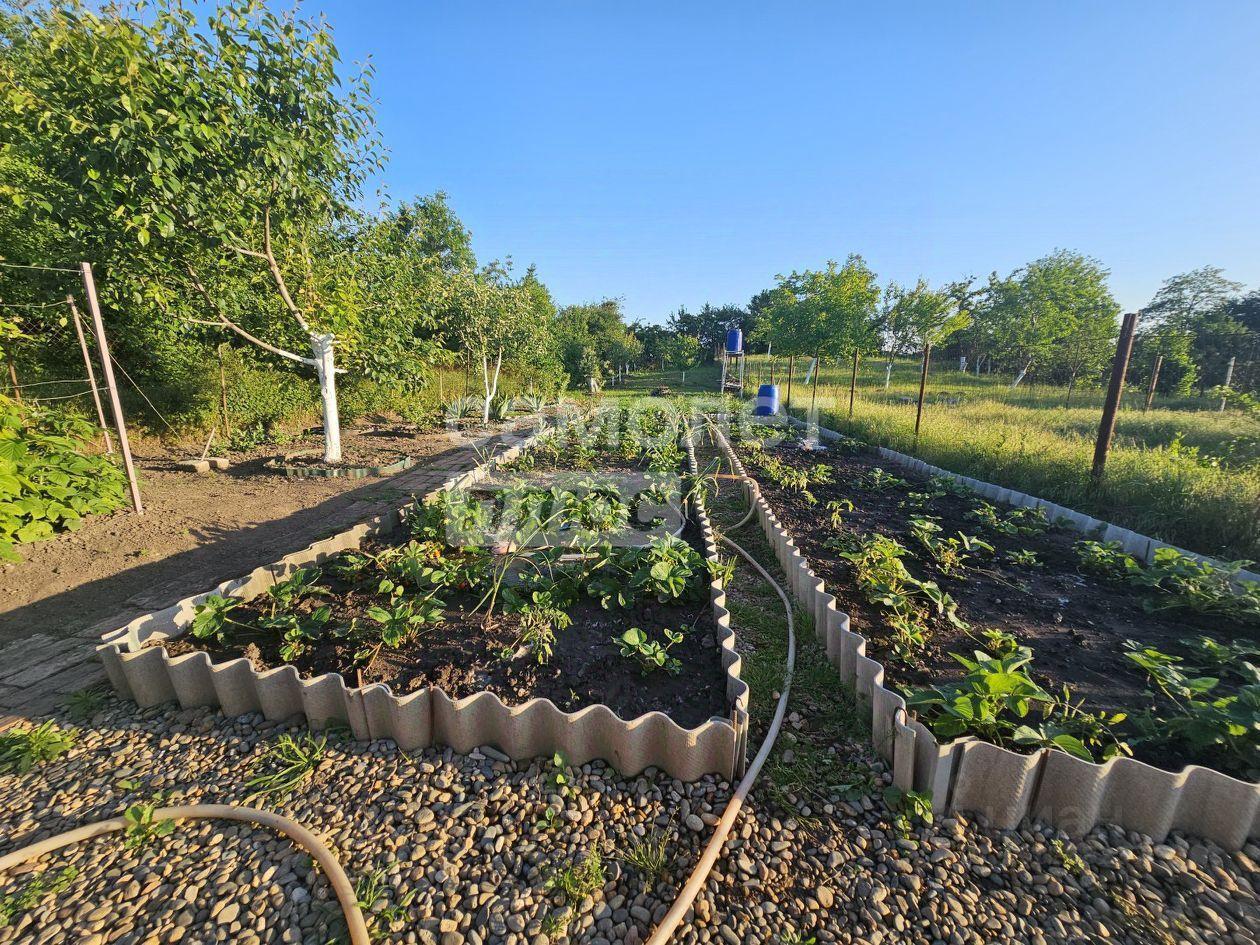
(1022,557)
(908,807)
(792,937)
(22,748)
(538,630)
(85,703)
(287,764)
(371,896)
(142,830)
(649,856)
(836,509)
(558,777)
(32,894)
(578,878)
(1071,860)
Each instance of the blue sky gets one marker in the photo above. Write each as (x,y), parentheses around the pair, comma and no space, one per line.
(676,153)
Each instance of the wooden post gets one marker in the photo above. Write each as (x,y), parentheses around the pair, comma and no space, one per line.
(91,373)
(918,416)
(853,383)
(227,427)
(1150,391)
(1229,379)
(17,391)
(791,371)
(107,368)
(1115,390)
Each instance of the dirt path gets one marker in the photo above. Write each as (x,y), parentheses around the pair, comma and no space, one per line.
(196,532)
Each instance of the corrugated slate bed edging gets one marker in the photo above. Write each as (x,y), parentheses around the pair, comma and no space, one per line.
(149,675)
(970,774)
(281,464)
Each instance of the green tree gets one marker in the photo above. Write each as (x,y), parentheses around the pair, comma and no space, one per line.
(831,311)
(197,158)
(1183,300)
(681,351)
(1056,312)
(593,338)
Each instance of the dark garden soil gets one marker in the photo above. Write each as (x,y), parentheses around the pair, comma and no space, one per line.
(1075,623)
(463,656)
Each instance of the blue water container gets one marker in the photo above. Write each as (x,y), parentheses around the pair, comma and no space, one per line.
(767,401)
(734,341)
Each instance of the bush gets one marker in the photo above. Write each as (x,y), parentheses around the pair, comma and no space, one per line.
(48,480)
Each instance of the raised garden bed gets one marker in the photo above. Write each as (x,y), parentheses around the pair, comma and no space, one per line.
(1040,770)
(929,569)
(599,647)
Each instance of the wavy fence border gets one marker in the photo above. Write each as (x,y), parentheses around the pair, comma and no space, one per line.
(969,774)
(149,675)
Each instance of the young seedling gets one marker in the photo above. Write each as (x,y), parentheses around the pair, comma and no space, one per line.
(82,704)
(142,830)
(649,654)
(649,856)
(371,892)
(908,807)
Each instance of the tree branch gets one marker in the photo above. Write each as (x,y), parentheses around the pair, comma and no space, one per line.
(225,322)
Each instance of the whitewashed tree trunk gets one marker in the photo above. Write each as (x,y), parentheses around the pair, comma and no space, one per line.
(1019,377)
(326,371)
(887,375)
(490,383)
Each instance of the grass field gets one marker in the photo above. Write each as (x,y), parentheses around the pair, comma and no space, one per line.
(1183,472)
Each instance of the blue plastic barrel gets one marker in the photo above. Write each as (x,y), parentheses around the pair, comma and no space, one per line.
(767,401)
(734,341)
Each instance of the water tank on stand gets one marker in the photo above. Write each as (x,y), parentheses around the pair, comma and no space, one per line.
(735,341)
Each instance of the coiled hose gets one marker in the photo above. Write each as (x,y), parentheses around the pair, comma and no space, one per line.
(294,831)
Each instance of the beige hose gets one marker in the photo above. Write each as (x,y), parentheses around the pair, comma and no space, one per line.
(250,815)
(714,848)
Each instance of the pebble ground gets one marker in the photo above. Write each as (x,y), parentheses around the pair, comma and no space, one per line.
(473,849)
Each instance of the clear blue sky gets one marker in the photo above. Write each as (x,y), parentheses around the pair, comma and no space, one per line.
(677,153)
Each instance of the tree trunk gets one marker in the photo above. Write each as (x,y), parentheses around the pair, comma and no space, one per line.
(490,383)
(888,374)
(1071,384)
(322,347)
(1020,376)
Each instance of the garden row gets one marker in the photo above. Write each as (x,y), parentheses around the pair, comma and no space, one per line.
(565,596)
(1029,648)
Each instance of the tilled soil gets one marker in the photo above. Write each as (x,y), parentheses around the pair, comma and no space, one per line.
(463,656)
(474,840)
(1075,623)
(361,448)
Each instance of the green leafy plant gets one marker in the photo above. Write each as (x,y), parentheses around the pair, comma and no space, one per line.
(142,830)
(995,699)
(24,747)
(1071,860)
(297,632)
(287,764)
(394,626)
(49,481)
(36,889)
(951,555)
(1022,557)
(1197,712)
(836,509)
(650,654)
(301,584)
(907,807)
(579,878)
(371,893)
(212,619)
(538,629)
(877,480)
(1025,520)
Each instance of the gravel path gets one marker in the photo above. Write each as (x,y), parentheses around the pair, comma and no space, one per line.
(468,853)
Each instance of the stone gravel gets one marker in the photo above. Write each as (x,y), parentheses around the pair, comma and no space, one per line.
(467,844)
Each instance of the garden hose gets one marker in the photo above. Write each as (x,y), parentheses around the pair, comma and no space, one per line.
(341,885)
(714,848)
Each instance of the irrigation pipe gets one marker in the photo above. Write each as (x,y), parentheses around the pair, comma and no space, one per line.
(294,831)
(714,848)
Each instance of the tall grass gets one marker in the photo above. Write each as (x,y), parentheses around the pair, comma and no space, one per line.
(1170,474)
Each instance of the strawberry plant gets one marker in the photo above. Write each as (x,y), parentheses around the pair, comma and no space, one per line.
(836,509)
(648,653)
(296,631)
(211,620)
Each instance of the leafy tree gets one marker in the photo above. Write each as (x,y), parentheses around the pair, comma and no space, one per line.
(708,326)
(1183,300)
(830,311)
(224,145)
(915,318)
(652,339)
(681,351)
(593,338)
(1178,370)
(1056,311)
